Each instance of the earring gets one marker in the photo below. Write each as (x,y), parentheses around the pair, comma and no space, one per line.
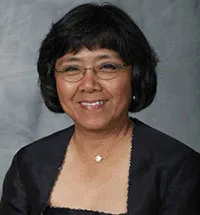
(133,97)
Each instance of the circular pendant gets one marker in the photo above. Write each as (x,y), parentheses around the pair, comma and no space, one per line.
(98,158)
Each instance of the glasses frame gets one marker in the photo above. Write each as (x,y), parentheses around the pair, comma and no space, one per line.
(119,67)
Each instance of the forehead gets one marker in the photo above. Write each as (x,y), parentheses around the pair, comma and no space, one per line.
(84,53)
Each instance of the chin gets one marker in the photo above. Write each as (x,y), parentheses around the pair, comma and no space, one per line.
(93,124)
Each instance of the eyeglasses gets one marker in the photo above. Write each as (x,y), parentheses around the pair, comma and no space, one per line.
(72,73)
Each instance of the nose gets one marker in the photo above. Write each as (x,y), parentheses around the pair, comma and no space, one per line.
(89,82)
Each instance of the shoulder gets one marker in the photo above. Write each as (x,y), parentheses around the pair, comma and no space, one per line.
(46,147)
(161,147)
(163,158)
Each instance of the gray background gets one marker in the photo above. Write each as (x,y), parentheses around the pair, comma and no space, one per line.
(172,27)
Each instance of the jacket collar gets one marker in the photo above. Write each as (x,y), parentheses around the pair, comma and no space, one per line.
(53,150)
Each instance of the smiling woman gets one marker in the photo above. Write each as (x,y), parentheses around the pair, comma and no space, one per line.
(96,65)
(101,95)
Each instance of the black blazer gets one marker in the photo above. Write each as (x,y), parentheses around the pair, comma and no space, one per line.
(164,175)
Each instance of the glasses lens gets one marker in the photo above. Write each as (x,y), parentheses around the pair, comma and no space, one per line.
(107,71)
(71,73)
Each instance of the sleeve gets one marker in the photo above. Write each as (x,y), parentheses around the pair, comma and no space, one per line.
(14,198)
(183,190)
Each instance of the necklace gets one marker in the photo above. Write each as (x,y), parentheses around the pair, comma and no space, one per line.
(98,158)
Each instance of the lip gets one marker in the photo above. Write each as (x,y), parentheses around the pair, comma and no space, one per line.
(95,107)
(91,101)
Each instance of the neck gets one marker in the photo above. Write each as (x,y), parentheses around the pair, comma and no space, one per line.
(93,142)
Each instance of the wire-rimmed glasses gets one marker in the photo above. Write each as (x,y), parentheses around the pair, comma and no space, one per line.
(73,73)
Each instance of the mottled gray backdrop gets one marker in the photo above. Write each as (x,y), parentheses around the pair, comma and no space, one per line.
(172,27)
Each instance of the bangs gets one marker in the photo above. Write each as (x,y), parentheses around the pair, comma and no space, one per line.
(93,35)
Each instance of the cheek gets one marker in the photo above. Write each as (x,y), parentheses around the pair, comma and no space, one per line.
(121,93)
(123,89)
(65,92)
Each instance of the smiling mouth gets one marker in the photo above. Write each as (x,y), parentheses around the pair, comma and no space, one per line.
(92,105)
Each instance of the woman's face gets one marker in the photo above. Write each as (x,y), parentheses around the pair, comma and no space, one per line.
(80,99)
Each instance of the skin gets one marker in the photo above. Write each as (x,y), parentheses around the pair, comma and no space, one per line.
(95,127)
(101,130)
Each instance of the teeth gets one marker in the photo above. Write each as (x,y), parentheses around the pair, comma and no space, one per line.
(93,103)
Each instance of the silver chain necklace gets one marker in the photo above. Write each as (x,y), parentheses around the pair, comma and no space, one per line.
(98,158)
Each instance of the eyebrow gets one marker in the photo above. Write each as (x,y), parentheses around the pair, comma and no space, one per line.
(100,57)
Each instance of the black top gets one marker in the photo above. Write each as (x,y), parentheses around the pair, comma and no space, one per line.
(72,211)
(164,176)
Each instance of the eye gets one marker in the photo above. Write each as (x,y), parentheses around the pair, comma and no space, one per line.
(109,66)
(70,69)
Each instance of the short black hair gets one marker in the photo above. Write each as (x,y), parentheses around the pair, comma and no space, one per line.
(105,26)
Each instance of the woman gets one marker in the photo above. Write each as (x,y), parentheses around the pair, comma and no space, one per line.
(96,66)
